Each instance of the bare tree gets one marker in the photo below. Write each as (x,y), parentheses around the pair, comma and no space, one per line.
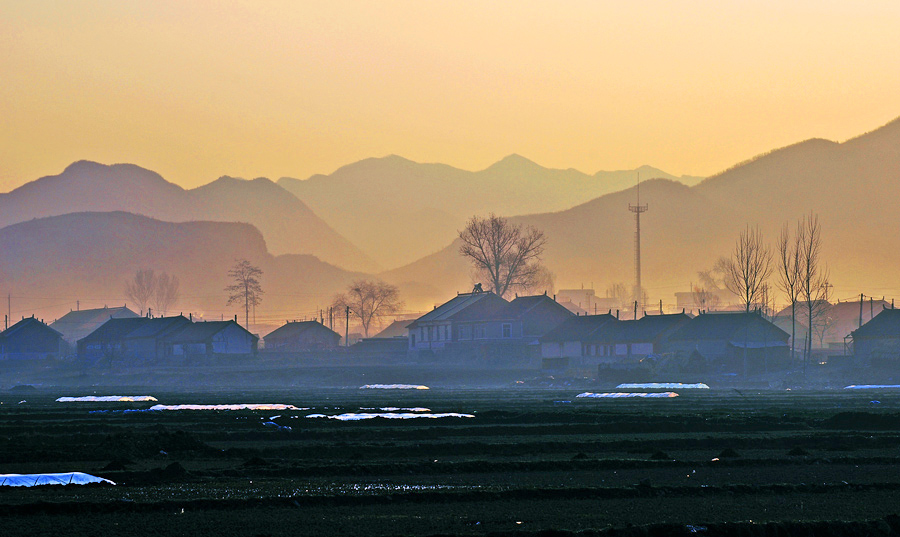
(544,281)
(749,267)
(813,275)
(789,266)
(704,299)
(369,301)
(246,287)
(167,294)
(508,255)
(141,289)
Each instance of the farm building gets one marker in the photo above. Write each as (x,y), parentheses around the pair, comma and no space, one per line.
(209,339)
(30,339)
(301,336)
(137,339)
(484,326)
(78,324)
(732,341)
(878,341)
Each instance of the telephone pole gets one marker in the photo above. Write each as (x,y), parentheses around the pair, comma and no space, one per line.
(637,209)
(347,329)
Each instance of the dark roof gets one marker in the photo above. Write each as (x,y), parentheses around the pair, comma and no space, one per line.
(729,326)
(26,323)
(646,329)
(885,324)
(492,308)
(294,329)
(521,305)
(157,326)
(115,329)
(577,328)
(455,306)
(395,329)
(202,331)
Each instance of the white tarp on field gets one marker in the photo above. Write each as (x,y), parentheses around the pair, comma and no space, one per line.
(663,386)
(394,387)
(357,416)
(620,395)
(872,387)
(107,399)
(34,480)
(264,406)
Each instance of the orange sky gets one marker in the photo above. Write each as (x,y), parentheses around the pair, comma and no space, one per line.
(199,89)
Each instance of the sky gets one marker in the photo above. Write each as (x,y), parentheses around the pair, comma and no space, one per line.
(195,90)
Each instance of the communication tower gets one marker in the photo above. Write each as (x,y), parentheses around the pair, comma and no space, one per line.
(637,209)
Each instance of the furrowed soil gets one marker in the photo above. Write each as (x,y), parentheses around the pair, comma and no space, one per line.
(532,461)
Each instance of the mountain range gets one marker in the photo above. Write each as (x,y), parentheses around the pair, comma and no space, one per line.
(287,224)
(396,209)
(852,186)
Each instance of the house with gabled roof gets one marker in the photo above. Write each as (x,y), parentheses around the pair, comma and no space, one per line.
(30,339)
(301,336)
(484,326)
(732,341)
(79,323)
(138,339)
(209,339)
(877,342)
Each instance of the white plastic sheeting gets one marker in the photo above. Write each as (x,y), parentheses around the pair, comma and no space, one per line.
(264,406)
(872,387)
(357,416)
(35,480)
(394,387)
(663,386)
(107,399)
(620,395)
(398,409)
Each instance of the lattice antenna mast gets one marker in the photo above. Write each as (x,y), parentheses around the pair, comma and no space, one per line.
(637,210)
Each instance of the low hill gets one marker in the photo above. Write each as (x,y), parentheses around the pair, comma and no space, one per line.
(287,224)
(49,263)
(397,209)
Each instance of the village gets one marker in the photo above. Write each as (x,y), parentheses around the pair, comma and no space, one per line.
(549,335)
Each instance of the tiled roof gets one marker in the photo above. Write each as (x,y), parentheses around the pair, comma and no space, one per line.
(729,326)
(578,328)
(201,331)
(24,323)
(293,329)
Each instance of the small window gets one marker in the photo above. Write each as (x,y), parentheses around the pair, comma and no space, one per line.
(507,330)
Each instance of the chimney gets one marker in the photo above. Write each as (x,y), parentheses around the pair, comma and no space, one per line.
(191,316)
(235,317)
(617,314)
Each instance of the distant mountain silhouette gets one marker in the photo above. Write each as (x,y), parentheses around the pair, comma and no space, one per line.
(396,209)
(287,224)
(853,186)
(87,256)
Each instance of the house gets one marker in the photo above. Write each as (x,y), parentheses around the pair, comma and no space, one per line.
(563,346)
(395,329)
(732,342)
(484,326)
(209,339)
(136,339)
(30,339)
(878,341)
(301,336)
(78,324)
(589,341)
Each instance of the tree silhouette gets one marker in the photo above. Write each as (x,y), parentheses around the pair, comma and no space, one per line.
(369,301)
(246,287)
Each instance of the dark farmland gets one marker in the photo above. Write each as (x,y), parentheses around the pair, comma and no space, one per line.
(532,461)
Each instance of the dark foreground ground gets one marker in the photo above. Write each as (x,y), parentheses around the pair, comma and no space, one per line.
(533,461)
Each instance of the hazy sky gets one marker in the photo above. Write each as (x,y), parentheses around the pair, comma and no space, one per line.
(198,89)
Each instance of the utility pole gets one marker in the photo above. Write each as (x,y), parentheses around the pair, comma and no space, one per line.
(637,210)
(347,329)
(860,309)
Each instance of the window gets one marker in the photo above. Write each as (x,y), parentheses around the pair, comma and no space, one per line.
(507,330)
